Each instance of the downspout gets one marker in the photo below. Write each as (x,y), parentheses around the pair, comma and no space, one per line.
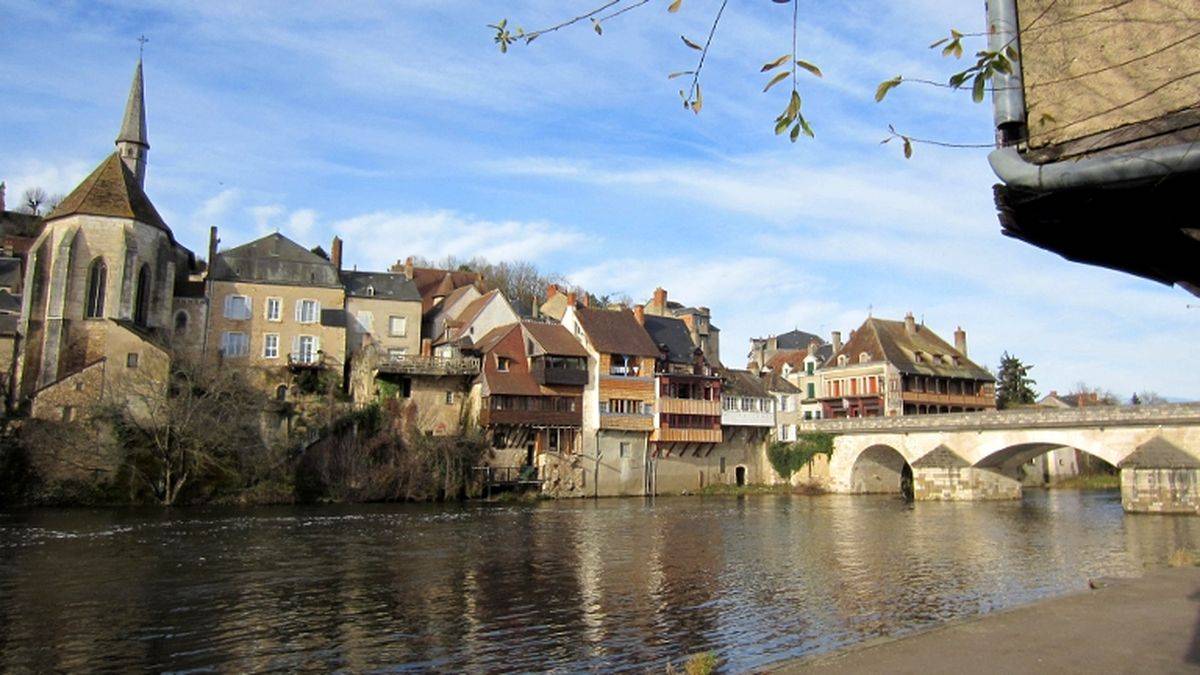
(1009,113)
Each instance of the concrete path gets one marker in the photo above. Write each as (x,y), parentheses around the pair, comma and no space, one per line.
(1145,625)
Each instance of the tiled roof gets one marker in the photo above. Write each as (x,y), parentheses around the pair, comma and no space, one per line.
(382,285)
(616,331)
(941,457)
(554,339)
(672,334)
(431,282)
(14,224)
(111,190)
(517,380)
(274,259)
(792,357)
(470,313)
(776,383)
(890,341)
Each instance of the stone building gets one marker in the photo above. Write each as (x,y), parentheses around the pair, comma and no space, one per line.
(903,368)
(100,282)
(698,320)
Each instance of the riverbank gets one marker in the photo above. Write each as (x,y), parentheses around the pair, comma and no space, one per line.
(1146,624)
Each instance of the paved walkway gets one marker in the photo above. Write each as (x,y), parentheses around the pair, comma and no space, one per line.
(1145,625)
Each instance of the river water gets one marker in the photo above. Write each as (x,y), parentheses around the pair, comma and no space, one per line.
(570,585)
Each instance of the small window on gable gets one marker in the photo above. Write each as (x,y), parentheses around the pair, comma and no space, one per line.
(864,357)
(181,322)
(918,358)
(370,290)
(131,360)
(502,363)
(842,360)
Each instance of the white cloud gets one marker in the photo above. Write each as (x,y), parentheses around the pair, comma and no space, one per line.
(54,178)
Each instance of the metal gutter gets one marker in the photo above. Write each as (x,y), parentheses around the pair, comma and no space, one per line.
(1008,101)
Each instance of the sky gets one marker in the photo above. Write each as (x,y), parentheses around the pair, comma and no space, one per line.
(400,127)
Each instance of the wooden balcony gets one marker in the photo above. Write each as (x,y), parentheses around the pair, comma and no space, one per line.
(407,364)
(689,406)
(531,418)
(687,435)
(567,376)
(626,421)
(930,398)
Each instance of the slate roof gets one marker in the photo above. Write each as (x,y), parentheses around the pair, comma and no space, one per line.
(554,339)
(9,303)
(8,324)
(385,286)
(742,383)
(616,331)
(795,339)
(14,224)
(889,341)
(672,334)
(517,380)
(274,259)
(1159,453)
(111,190)
(10,272)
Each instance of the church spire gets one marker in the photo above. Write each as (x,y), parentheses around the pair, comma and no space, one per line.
(131,142)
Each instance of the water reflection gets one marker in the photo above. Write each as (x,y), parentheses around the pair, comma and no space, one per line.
(613,584)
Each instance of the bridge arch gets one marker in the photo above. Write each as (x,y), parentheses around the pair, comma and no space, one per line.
(881,469)
(1007,457)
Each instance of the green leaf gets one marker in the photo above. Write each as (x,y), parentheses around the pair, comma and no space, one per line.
(691,44)
(939,43)
(776,63)
(958,52)
(1001,65)
(977,88)
(886,86)
(957,79)
(680,74)
(907,148)
(950,48)
(674,6)
(795,133)
(782,124)
(793,108)
(809,67)
(1012,53)
(955,34)
(596,27)
(779,77)
(805,126)
(699,102)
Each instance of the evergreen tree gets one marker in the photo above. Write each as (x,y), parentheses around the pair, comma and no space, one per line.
(1014,386)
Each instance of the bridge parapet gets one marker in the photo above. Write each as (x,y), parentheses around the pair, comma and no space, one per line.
(1019,418)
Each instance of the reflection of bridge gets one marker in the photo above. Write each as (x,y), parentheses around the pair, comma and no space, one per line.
(979,455)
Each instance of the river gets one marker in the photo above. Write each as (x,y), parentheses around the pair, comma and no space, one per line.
(570,585)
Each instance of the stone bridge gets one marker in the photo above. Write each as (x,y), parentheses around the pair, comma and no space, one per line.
(967,456)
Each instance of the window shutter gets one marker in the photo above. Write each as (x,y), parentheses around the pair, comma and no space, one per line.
(295,344)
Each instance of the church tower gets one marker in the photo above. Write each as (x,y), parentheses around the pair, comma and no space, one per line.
(132,145)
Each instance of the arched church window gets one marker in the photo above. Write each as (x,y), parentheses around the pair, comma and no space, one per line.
(96,288)
(281,392)
(141,298)
(181,322)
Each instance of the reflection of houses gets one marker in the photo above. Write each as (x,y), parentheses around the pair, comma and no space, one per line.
(900,367)
(529,392)
(618,401)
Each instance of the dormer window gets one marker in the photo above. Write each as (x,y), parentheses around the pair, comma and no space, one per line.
(503,363)
(918,358)
(842,360)
(371,291)
(864,357)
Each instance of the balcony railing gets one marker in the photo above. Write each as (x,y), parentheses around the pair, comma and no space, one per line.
(430,365)
(563,375)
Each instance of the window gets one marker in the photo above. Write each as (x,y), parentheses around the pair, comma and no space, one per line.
(864,357)
(97,287)
(842,360)
(624,449)
(141,297)
(131,360)
(306,349)
(271,346)
(722,465)
(502,363)
(396,353)
(274,309)
(624,366)
(237,307)
(181,322)
(308,311)
(624,406)
(808,367)
(371,290)
(365,321)
(398,326)
(68,413)
(281,392)
(234,344)
(449,398)
(553,440)
(812,390)
(783,404)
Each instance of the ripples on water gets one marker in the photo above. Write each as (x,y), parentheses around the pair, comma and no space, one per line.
(613,584)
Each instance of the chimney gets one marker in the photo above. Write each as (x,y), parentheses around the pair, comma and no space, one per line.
(427,347)
(813,345)
(587,299)
(2,207)
(960,341)
(551,291)
(335,252)
(534,310)
(660,297)
(910,324)
(837,341)
(639,313)
(408,267)
(571,299)
(212,247)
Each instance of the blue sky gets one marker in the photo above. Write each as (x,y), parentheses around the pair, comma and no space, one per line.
(401,128)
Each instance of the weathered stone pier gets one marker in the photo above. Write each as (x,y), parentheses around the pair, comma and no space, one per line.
(971,456)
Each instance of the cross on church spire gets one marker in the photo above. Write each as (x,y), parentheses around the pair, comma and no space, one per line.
(142,40)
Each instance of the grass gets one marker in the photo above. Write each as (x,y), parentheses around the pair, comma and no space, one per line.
(704,663)
(1099,481)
